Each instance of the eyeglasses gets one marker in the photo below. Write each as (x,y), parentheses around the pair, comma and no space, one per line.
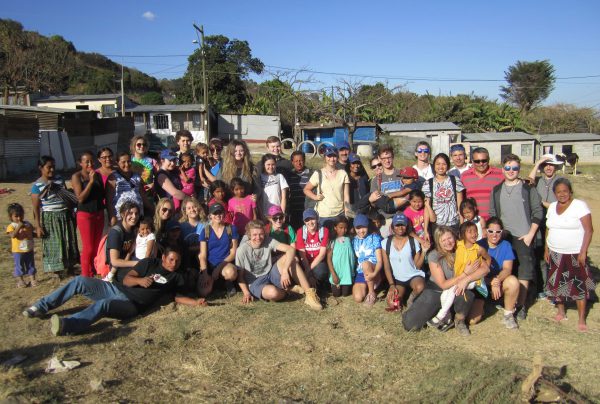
(278,218)
(422,150)
(165,210)
(105,157)
(490,231)
(513,168)
(216,149)
(482,161)
(141,145)
(376,166)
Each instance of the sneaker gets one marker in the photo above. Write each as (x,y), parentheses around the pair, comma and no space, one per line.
(109,277)
(434,322)
(370,299)
(509,321)
(445,326)
(312,300)
(542,296)
(32,312)
(56,325)
(521,313)
(462,328)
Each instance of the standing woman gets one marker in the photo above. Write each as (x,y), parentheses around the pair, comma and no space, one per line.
(167,183)
(89,190)
(53,220)
(236,163)
(124,185)
(105,157)
(445,193)
(141,163)
(359,185)
(569,224)
(333,187)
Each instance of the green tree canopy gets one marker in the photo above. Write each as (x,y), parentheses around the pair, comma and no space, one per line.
(152,98)
(529,84)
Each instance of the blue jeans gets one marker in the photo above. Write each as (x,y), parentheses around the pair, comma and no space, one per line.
(108,302)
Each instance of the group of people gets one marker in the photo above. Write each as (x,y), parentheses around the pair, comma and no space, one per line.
(441,239)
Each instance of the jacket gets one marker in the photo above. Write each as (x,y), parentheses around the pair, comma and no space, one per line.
(531,202)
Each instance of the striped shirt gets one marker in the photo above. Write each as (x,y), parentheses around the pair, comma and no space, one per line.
(49,202)
(480,188)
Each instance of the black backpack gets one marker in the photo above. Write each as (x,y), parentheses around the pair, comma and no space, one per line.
(411,241)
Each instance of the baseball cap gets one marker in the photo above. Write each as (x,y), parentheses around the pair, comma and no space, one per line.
(172,225)
(361,220)
(168,154)
(408,172)
(274,210)
(343,145)
(310,214)
(330,151)
(456,147)
(353,158)
(215,208)
(552,160)
(399,218)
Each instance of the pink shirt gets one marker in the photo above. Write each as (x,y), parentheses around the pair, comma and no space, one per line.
(417,218)
(242,210)
(188,187)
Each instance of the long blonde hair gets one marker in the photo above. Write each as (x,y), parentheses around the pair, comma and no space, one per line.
(195,202)
(158,222)
(229,167)
(437,235)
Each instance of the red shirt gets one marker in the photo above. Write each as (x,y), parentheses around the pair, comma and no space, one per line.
(313,244)
(480,188)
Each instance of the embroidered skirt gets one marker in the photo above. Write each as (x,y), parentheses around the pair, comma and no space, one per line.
(59,245)
(567,280)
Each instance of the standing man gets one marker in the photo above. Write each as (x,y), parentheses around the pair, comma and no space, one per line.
(298,178)
(423,166)
(480,179)
(282,165)
(459,159)
(343,153)
(184,140)
(386,187)
(518,205)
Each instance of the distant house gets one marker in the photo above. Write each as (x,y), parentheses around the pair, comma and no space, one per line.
(438,134)
(499,144)
(164,121)
(364,138)
(586,145)
(106,105)
(248,127)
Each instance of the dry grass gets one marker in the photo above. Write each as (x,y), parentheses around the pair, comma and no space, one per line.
(285,352)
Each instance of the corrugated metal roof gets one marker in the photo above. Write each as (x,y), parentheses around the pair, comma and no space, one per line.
(41,109)
(417,126)
(569,137)
(496,136)
(78,97)
(167,108)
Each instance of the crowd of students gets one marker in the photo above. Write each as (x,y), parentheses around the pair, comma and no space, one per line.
(442,240)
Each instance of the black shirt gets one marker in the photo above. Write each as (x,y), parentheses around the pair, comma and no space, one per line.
(95,200)
(119,239)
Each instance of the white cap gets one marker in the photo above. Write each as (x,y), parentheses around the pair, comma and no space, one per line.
(551,159)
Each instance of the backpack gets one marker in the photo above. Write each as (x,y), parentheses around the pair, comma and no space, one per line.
(305,233)
(452,180)
(309,203)
(101,260)
(411,241)
(227,230)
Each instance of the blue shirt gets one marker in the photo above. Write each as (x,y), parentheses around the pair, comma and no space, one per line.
(502,252)
(191,234)
(365,248)
(217,249)
(402,262)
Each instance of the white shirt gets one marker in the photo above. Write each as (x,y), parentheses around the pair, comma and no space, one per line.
(425,173)
(141,245)
(565,231)
(273,186)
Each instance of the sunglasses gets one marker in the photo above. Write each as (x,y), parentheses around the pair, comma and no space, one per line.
(165,210)
(511,168)
(376,166)
(490,231)
(216,149)
(399,225)
(422,150)
(278,218)
(141,145)
(483,161)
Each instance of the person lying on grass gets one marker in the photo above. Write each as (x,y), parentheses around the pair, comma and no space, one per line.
(132,292)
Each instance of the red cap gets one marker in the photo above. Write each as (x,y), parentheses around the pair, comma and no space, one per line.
(409,172)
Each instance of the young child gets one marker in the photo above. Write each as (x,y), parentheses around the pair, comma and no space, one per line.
(340,259)
(204,177)
(467,252)
(145,242)
(420,214)
(367,248)
(469,213)
(274,186)
(242,206)
(21,235)
(187,174)
(217,193)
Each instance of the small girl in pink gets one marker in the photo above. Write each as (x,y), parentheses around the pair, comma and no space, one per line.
(420,214)
(187,174)
(241,206)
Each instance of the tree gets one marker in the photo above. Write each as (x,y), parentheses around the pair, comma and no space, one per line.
(529,83)
(152,98)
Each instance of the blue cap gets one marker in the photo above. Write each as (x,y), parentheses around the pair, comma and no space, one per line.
(168,155)
(456,147)
(399,218)
(330,151)
(172,225)
(353,158)
(343,145)
(361,221)
(310,214)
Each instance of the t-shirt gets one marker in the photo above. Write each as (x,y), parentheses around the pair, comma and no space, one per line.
(256,260)
(565,231)
(144,167)
(447,268)
(272,186)
(402,262)
(457,172)
(282,236)
(512,212)
(217,248)
(242,211)
(141,245)
(187,187)
(365,248)
(119,239)
(544,188)
(332,190)
(424,173)
(297,181)
(312,245)
(387,184)
(502,252)
(23,243)
(480,188)
(49,202)
(417,219)
(190,234)
(444,200)
(144,297)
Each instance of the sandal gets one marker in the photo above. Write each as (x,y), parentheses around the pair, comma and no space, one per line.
(370,299)
(559,317)
(21,284)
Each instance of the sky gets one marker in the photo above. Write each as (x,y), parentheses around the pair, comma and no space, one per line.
(436,47)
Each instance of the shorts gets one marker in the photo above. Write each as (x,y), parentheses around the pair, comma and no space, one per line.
(406,284)
(359,278)
(256,284)
(525,260)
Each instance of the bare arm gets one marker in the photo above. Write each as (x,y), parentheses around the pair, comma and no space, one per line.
(459,199)
(588,231)
(82,193)
(168,186)
(150,248)
(110,196)
(379,263)
(36,203)
(189,301)
(232,251)
(202,256)
(322,254)
(284,195)
(117,262)
(387,269)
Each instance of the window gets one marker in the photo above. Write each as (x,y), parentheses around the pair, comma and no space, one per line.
(567,149)
(548,149)
(83,107)
(161,121)
(108,111)
(597,150)
(526,149)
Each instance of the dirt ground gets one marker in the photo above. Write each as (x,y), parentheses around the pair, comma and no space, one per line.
(229,352)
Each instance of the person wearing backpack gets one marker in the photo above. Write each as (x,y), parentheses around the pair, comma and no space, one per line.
(402,260)
(120,241)
(277,228)
(311,244)
(218,245)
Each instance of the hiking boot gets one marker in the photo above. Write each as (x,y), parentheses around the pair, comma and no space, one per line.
(509,321)
(56,325)
(33,312)
(462,328)
(297,289)
(521,313)
(370,299)
(312,300)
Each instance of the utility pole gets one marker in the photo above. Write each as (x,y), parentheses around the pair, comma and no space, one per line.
(122,93)
(200,29)
(194,100)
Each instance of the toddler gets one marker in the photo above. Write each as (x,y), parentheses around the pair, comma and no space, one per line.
(145,243)
(367,248)
(242,206)
(187,174)
(469,213)
(420,214)
(218,192)
(21,241)
(340,259)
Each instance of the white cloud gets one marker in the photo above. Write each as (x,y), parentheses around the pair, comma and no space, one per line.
(149,15)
